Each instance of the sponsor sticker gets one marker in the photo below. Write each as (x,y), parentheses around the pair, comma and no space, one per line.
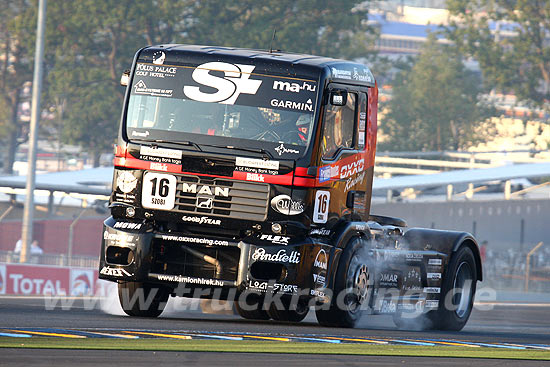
(115,272)
(352,168)
(128,225)
(158,166)
(276,287)
(432,304)
(285,205)
(432,290)
(236,80)
(324,173)
(341,74)
(172,154)
(195,240)
(155,71)
(435,262)
(293,87)
(201,220)
(190,280)
(281,149)
(257,163)
(281,256)
(159,191)
(319,232)
(141,88)
(321,260)
(159,57)
(255,177)
(321,208)
(434,275)
(126,181)
(292,105)
(119,239)
(388,280)
(414,256)
(279,240)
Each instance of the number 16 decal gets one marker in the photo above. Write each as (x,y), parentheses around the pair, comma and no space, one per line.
(159,191)
(322,201)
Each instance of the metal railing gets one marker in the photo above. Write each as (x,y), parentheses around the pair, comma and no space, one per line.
(51,259)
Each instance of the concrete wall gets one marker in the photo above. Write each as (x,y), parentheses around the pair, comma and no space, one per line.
(505,223)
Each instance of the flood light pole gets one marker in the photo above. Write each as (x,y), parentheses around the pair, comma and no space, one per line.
(28,214)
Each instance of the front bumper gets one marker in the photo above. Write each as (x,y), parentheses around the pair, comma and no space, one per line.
(136,252)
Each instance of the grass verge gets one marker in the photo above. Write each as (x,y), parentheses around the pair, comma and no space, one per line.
(271,347)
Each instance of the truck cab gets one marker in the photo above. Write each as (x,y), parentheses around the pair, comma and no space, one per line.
(246,173)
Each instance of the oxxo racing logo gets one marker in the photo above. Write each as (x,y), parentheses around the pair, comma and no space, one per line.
(352,168)
(236,80)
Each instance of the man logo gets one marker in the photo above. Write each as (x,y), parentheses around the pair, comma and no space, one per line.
(204,202)
(236,80)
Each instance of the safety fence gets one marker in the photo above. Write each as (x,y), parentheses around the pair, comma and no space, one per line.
(518,269)
(10,257)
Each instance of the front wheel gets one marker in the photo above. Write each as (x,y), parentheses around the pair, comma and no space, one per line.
(457,292)
(352,287)
(142,299)
(291,312)
(250,306)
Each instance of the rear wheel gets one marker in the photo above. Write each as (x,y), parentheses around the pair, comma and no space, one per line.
(352,287)
(457,292)
(142,299)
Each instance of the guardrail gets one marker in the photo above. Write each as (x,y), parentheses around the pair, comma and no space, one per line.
(10,257)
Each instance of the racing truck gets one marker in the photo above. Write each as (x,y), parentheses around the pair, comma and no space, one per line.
(246,175)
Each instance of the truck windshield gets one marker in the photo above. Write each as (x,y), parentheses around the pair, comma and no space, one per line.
(231,121)
(222,102)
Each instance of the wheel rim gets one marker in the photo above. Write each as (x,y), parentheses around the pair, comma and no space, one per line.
(361,283)
(463,282)
(357,285)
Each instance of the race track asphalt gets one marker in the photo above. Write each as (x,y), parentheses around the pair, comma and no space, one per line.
(504,323)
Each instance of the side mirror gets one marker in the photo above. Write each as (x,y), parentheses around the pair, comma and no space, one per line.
(338,97)
(125,78)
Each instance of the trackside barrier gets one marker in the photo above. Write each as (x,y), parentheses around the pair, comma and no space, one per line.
(528,264)
(44,280)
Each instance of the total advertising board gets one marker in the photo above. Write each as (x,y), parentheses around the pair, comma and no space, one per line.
(44,280)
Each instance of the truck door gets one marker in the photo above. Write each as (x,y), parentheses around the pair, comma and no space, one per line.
(342,155)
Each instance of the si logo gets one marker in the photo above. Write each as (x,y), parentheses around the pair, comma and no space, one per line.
(236,80)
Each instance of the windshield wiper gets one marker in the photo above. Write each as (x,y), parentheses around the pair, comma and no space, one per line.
(266,153)
(176,142)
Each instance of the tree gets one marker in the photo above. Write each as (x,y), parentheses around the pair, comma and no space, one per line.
(99,41)
(514,54)
(16,47)
(318,27)
(434,105)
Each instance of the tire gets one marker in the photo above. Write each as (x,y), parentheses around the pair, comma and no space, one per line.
(256,313)
(290,313)
(141,305)
(455,307)
(352,287)
(407,322)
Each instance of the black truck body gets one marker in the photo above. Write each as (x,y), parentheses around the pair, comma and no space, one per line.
(251,171)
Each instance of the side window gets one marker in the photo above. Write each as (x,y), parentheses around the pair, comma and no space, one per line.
(339,127)
(362,125)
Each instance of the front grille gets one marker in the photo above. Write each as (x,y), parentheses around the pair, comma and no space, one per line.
(222,198)
(172,259)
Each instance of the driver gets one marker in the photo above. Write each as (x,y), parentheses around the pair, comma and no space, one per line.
(303,124)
